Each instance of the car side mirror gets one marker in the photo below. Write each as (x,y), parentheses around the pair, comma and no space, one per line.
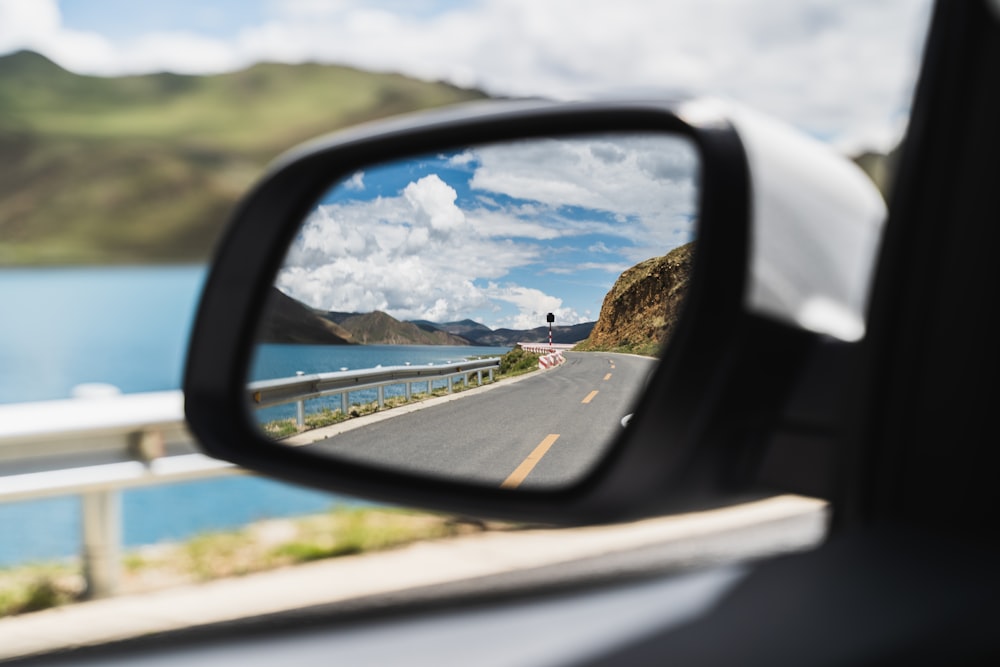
(375,290)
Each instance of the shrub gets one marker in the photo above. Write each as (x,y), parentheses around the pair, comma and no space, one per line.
(518,361)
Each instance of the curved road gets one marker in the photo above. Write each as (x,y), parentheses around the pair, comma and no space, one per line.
(543,431)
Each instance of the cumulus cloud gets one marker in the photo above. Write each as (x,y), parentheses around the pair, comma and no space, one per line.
(500,248)
(842,70)
(533,305)
(407,255)
(433,201)
(356,182)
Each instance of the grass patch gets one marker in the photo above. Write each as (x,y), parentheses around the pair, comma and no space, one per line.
(518,362)
(35,587)
(265,545)
(350,531)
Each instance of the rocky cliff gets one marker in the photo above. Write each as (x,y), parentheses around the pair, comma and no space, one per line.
(642,307)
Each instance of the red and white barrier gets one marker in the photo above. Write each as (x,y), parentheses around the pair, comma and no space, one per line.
(545,348)
(551,360)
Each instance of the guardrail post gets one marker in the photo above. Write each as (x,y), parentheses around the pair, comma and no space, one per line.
(300,408)
(102,538)
(381,396)
(479,377)
(491,375)
(343,402)
(450,379)
(409,391)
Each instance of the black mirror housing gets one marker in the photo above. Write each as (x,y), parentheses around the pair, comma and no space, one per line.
(695,438)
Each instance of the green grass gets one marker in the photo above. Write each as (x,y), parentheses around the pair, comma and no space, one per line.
(38,586)
(518,362)
(360,530)
(341,531)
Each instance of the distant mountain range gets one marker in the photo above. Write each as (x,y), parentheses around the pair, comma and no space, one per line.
(378,328)
(287,320)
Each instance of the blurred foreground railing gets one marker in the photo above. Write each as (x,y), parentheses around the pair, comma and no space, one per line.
(95,448)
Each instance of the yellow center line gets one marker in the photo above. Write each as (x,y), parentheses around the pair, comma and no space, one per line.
(528,464)
(608,376)
(589,397)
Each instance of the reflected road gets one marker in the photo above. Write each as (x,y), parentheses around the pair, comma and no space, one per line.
(544,431)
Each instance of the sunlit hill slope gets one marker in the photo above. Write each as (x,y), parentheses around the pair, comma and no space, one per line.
(145,168)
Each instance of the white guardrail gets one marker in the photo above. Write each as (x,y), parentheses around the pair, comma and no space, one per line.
(298,389)
(97,447)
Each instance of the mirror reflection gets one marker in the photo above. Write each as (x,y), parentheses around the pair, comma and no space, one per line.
(486,314)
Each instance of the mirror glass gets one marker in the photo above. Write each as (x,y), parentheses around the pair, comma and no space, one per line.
(485,315)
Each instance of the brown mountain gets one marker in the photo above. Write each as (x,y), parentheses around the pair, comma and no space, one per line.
(287,320)
(378,328)
(642,307)
(560,334)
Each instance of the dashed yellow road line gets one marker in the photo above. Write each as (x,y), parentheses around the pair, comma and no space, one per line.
(589,397)
(608,376)
(528,464)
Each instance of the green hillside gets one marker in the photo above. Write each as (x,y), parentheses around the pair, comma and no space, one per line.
(145,168)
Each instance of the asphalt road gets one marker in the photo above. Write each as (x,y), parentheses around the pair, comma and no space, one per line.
(545,431)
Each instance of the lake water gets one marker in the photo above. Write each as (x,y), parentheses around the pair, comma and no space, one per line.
(128,326)
(278,361)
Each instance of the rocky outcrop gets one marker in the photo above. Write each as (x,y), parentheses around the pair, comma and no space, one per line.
(641,310)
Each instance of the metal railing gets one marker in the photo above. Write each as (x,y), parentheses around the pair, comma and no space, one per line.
(298,389)
(96,448)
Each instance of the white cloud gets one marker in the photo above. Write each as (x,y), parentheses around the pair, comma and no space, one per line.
(841,69)
(652,177)
(27,23)
(533,305)
(38,26)
(509,223)
(420,254)
(356,182)
(433,200)
(615,269)
(410,255)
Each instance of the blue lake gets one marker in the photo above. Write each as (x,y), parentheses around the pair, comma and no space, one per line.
(278,361)
(128,326)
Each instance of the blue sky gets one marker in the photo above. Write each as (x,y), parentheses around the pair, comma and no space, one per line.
(122,20)
(501,234)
